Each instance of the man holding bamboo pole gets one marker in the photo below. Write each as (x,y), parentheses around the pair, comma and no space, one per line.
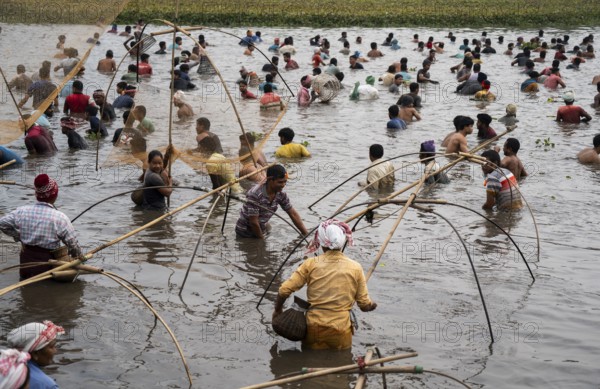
(40,228)
(253,220)
(334,283)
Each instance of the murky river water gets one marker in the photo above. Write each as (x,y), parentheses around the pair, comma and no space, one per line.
(546,332)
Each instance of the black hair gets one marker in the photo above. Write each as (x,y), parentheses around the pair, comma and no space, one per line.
(122,85)
(597,140)
(155,153)
(204,122)
(340,76)
(393,110)
(513,144)
(269,78)
(484,118)
(406,100)
(492,156)
(373,45)
(317,71)
(286,133)
(464,121)
(78,85)
(144,56)
(376,151)
(109,53)
(333,61)
(276,172)
(414,86)
(132,68)
(268,88)
(476,67)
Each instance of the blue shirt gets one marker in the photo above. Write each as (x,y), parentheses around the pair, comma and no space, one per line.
(261,86)
(396,123)
(246,41)
(38,379)
(9,155)
(123,101)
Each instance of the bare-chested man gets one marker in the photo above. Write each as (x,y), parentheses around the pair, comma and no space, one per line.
(456,122)
(407,111)
(510,160)
(108,64)
(184,110)
(590,154)
(458,141)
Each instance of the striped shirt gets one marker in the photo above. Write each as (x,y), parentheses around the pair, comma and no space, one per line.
(258,195)
(502,183)
(41,225)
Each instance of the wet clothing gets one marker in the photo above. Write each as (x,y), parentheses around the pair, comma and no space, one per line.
(292,150)
(96,126)
(76,103)
(570,114)
(334,283)
(396,124)
(75,141)
(303,97)
(40,228)
(416,99)
(529,85)
(146,126)
(39,141)
(153,199)
(248,95)
(144,69)
(488,134)
(221,172)
(258,195)
(217,140)
(123,101)
(38,379)
(68,64)
(108,112)
(502,183)
(40,90)
(376,172)
(7,155)
(440,178)
(270,101)
(182,84)
(133,138)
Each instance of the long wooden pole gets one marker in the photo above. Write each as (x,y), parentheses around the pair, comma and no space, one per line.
(362,378)
(76,262)
(7,163)
(411,198)
(443,168)
(332,370)
(203,52)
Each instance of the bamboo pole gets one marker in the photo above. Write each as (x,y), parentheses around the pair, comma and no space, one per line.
(332,370)
(151,308)
(7,163)
(202,51)
(362,378)
(443,168)
(125,236)
(377,370)
(187,272)
(372,183)
(411,198)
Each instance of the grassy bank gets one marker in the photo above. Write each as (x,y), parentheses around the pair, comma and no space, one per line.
(327,13)
(372,13)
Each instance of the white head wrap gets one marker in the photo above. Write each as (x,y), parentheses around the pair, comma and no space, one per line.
(13,368)
(331,234)
(34,336)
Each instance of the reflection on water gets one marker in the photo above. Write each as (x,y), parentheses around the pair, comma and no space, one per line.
(424,285)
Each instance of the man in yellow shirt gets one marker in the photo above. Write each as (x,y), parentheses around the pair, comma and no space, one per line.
(334,282)
(289,149)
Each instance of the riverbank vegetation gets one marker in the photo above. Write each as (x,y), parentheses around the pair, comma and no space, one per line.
(315,13)
(371,13)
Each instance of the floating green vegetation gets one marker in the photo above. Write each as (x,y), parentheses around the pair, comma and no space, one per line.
(546,143)
(371,13)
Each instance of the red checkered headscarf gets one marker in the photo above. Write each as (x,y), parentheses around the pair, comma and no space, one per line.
(34,336)
(46,189)
(332,234)
(13,368)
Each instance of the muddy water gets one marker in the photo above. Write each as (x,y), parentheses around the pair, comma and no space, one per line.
(428,301)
